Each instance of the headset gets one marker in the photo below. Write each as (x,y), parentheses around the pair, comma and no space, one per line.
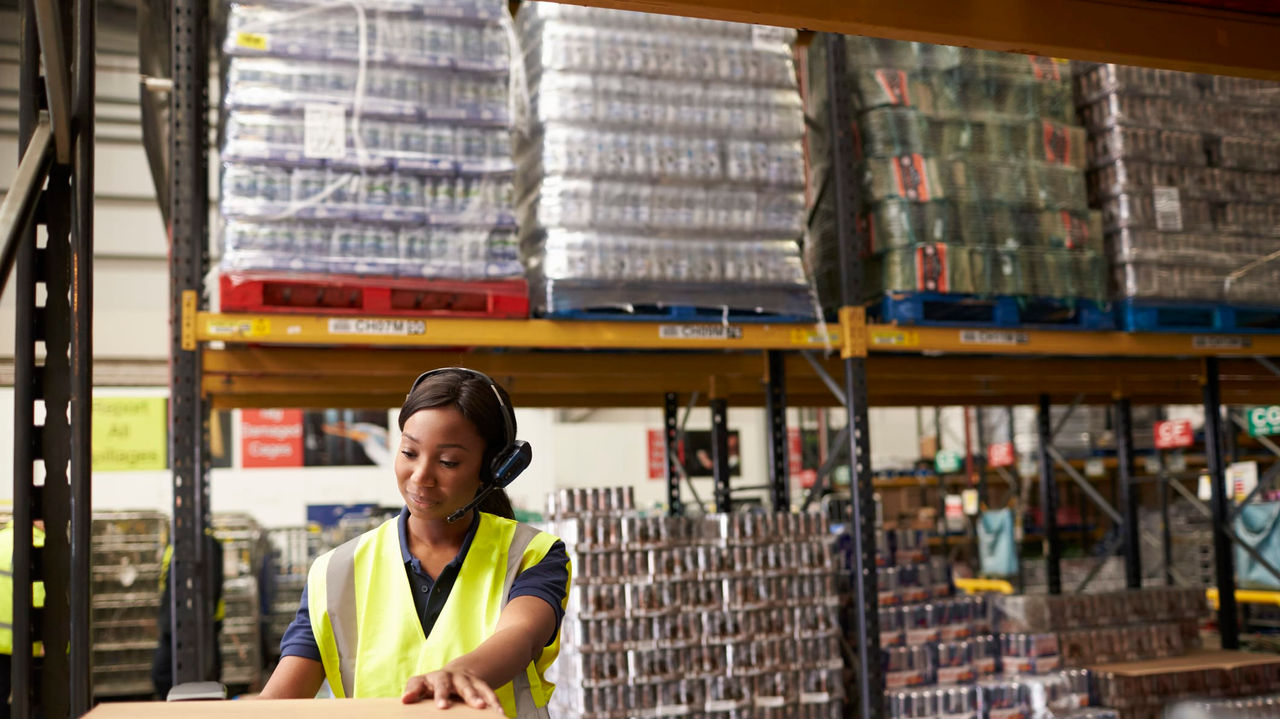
(510,461)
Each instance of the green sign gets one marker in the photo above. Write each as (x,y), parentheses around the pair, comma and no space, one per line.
(947,461)
(1263,420)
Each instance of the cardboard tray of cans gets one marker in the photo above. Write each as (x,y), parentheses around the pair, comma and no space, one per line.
(1046,613)
(1150,685)
(1056,695)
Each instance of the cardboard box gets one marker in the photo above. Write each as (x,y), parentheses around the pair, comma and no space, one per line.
(282,709)
(1195,661)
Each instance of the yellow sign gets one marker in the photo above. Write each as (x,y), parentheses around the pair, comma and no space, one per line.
(130,433)
(814,337)
(252,41)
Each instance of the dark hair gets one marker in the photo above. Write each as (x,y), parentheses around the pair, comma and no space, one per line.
(474,399)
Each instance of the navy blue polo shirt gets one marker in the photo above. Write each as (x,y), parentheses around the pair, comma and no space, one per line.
(548,580)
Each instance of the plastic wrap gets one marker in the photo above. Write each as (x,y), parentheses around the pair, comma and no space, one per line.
(1186,171)
(1262,707)
(674,615)
(989,271)
(664,164)
(387,153)
(1048,613)
(971,151)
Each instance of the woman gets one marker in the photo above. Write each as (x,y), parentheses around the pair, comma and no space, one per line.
(445,601)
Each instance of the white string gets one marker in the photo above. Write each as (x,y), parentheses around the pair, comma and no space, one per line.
(518,99)
(1231,278)
(357,103)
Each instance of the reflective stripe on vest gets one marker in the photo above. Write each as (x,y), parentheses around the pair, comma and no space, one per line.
(368,629)
(6,589)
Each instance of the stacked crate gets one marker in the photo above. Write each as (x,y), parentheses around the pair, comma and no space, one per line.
(243,549)
(1186,170)
(663,166)
(970,172)
(293,549)
(369,139)
(127,549)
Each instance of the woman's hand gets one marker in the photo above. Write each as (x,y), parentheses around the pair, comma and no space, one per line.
(448,683)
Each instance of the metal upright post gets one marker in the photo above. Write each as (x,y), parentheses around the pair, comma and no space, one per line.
(776,413)
(851,245)
(1128,490)
(1049,500)
(720,468)
(1220,505)
(980,457)
(29,327)
(84,88)
(188,259)
(1166,532)
(58,319)
(670,432)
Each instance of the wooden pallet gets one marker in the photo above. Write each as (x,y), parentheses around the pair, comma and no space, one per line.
(374,296)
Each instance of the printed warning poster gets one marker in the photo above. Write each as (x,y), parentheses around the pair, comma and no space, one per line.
(271,438)
(130,434)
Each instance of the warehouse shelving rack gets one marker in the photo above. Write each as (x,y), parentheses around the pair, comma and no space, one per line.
(54,187)
(223,361)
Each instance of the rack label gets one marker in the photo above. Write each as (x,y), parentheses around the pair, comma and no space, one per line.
(252,41)
(699,332)
(814,337)
(1168,207)
(324,131)
(1221,342)
(993,337)
(246,328)
(375,327)
(895,338)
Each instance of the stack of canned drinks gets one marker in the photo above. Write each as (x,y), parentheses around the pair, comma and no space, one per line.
(370,138)
(726,616)
(1252,708)
(1041,633)
(664,165)
(971,169)
(1186,169)
(1155,694)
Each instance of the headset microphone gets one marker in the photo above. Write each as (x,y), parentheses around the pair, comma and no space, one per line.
(471,505)
(507,467)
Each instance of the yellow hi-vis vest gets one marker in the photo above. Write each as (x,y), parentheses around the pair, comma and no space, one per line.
(6,589)
(368,629)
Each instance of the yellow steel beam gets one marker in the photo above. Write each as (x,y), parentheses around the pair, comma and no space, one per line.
(1135,32)
(970,585)
(544,334)
(848,337)
(1245,596)
(1065,343)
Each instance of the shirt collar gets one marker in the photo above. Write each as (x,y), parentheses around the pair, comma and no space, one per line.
(402,527)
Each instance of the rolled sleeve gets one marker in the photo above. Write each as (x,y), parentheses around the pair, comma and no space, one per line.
(298,639)
(547,580)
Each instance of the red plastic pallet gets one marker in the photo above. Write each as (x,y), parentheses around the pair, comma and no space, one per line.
(394,296)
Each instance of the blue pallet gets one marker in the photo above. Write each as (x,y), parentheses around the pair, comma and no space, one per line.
(936,309)
(680,313)
(1138,315)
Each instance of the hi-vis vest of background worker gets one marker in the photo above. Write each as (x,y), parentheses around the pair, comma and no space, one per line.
(6,589)
(367,627)
(362,611)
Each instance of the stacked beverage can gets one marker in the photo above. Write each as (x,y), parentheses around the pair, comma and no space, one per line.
(1186,170)
(970,170)
(723,616)
(369,138)
(664,163)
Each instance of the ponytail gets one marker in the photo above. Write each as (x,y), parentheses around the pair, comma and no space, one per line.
(498,503)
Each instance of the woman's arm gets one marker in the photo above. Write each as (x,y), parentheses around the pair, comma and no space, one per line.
(519,638)
(294,678)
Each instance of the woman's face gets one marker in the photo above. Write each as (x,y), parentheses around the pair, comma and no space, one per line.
(438,466)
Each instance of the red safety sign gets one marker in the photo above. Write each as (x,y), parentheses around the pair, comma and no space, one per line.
(1000,455)
(1174,434)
